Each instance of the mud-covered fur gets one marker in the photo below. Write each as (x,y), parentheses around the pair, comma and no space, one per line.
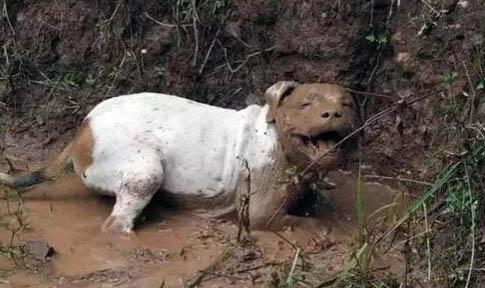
(206,157)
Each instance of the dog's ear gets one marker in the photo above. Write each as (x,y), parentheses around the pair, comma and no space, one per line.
(275,94)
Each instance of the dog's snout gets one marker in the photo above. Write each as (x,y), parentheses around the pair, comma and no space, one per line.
(329,114)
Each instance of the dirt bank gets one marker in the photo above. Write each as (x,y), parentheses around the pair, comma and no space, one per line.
(60,58)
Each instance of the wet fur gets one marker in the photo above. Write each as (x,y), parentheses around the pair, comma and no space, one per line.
(263,183)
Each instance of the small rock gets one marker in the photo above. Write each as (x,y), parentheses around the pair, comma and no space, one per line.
(39,120)
(463,3)
(403,57)
(39,249)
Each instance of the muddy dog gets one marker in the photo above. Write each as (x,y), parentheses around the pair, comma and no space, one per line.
(132,146)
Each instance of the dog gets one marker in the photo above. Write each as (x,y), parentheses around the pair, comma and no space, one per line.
(132,146)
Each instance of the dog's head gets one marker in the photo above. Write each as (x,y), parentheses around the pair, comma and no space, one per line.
(310,119)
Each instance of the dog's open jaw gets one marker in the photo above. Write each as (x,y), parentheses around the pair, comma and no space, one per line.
(321,147)
(321,143)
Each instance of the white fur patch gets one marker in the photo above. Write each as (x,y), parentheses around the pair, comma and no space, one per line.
(191,148)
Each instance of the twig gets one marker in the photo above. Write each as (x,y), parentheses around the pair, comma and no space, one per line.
(209,51)
(472,228)
(374,70)
(256,267)
(5,52)
(5,13)
(409,239)
(176,16)
(472,89)
(428,246)
(430,7)
(196,33)
(371,21)
(399,179)
(158,22)
(369,93)
(388,206)
(249,56)
(114,13)
(283,203)
(220,275)
(295,260)
(286,240)
(389,16)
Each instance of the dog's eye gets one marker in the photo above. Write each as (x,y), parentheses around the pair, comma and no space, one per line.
(347,104)
(305,104)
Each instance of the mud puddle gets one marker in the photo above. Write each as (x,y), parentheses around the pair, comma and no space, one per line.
(170,249)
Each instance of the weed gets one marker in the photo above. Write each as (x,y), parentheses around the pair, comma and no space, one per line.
(460,210)
(160,71)
(459,182)
(378,40)
(449,77)
(481,85)
(72,81)
(221,4)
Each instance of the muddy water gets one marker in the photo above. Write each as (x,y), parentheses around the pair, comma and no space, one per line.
(171,246)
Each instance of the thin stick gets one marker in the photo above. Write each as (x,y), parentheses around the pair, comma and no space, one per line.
(276,212)
(430,7)
(472,228)
(196,33)
(428,246)
(369,93)
(5,12)
(114,13)
(248,57)
(160,23)
(399,179)
(295,260)
(209,51)
(472,102)
(256,267)
(286,240)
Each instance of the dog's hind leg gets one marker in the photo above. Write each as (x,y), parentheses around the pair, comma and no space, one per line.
(134,179)
(125,211)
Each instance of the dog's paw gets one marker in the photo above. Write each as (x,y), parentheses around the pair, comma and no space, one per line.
(117,226)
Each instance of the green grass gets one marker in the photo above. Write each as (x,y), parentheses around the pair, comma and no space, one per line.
(459,188)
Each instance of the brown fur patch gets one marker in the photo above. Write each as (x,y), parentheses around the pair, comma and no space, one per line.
(82,147)
(79,151)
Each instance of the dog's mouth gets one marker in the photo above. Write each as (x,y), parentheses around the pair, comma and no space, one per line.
(323,141)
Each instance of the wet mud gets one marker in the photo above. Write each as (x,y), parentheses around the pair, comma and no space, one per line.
(170,247)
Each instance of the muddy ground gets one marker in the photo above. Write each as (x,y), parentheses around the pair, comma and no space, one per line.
(175,248)
(60,58)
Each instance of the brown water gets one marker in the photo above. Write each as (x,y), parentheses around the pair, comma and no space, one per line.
(169,248)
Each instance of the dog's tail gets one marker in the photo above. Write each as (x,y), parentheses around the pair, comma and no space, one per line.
(39,176)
